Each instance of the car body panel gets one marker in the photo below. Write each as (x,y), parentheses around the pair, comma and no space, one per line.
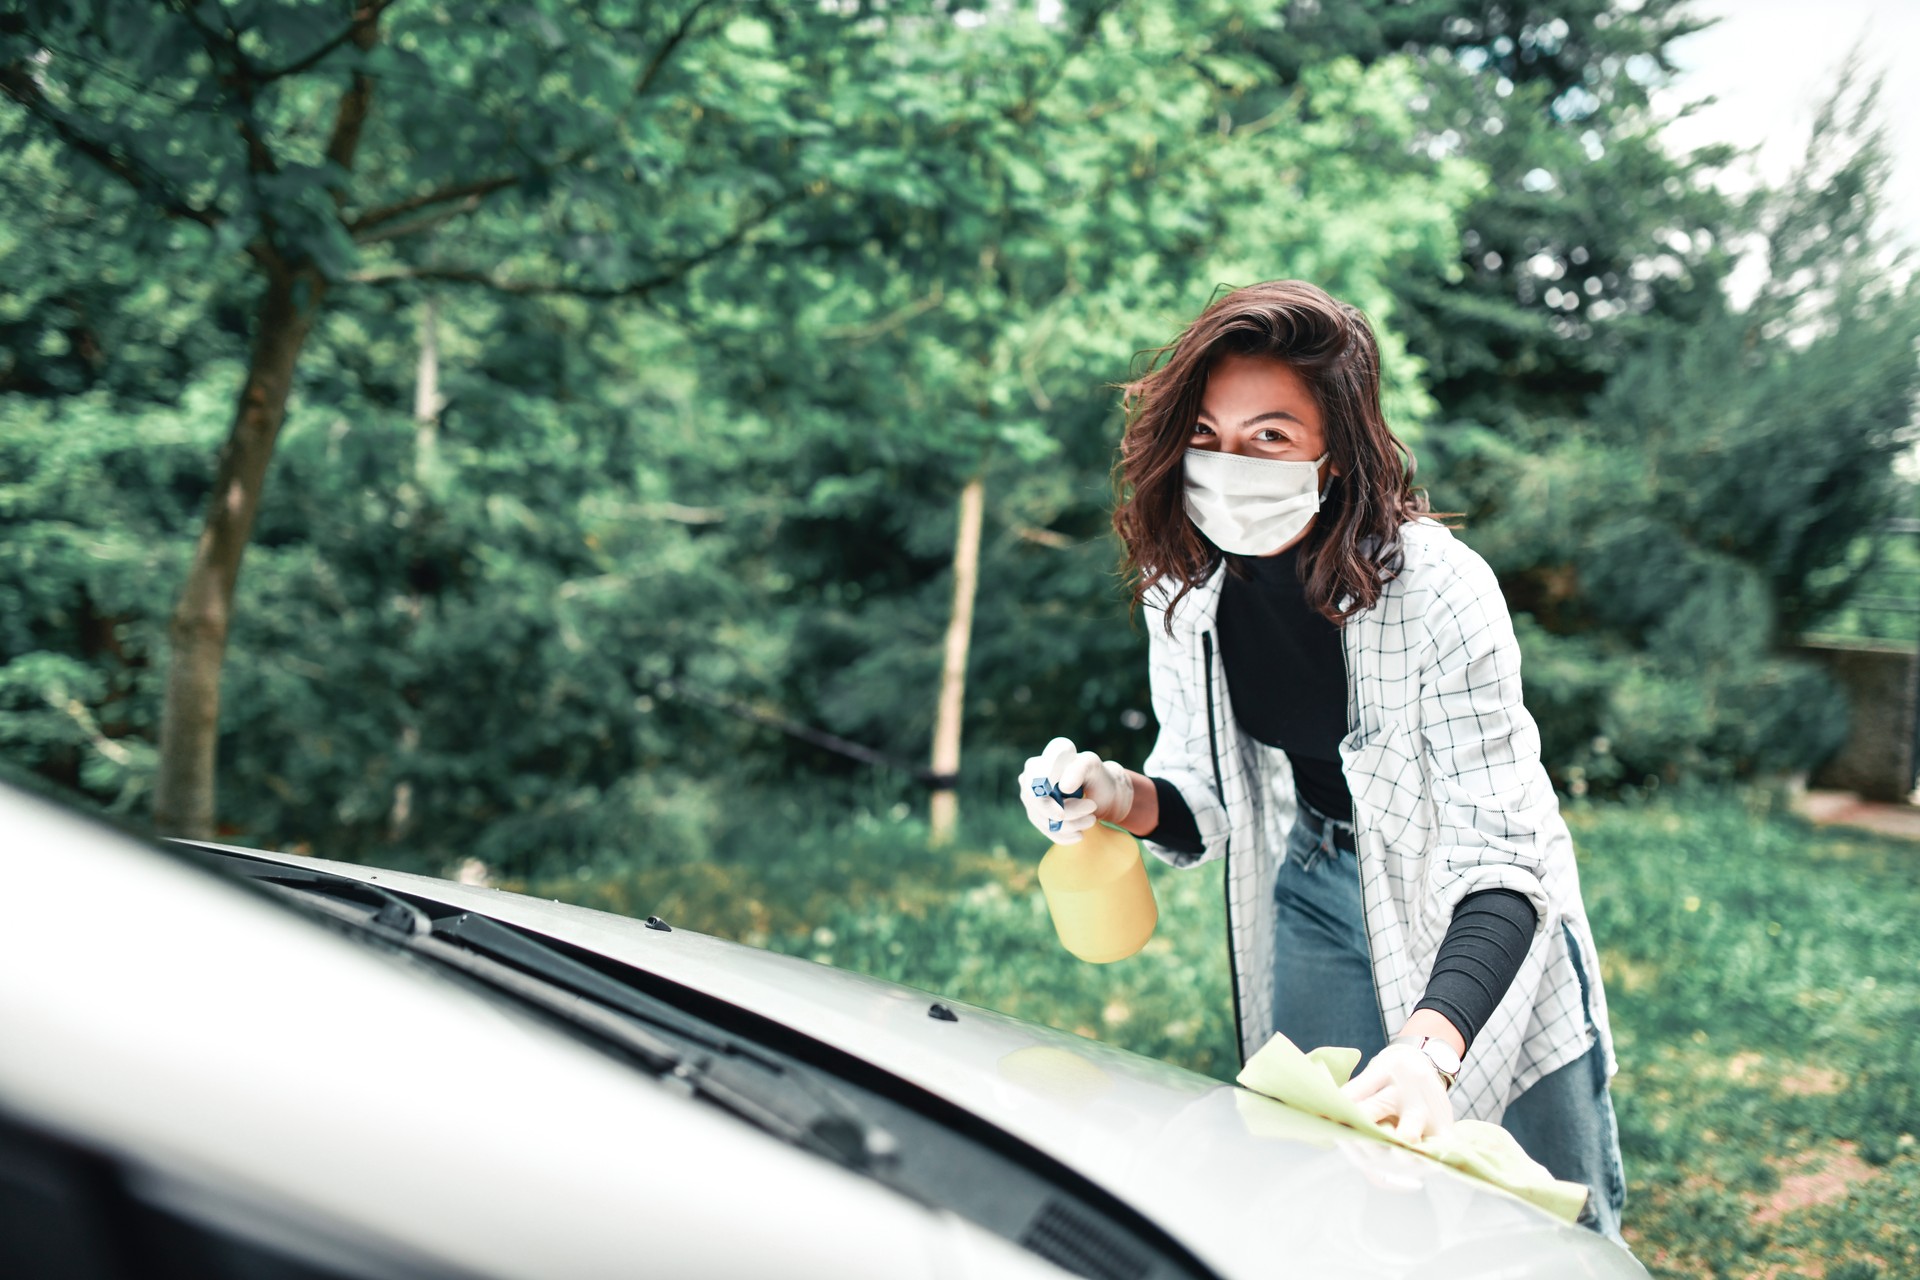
(1243,1181)
(312,1093)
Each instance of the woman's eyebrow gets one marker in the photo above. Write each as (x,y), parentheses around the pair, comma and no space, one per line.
(1204,416)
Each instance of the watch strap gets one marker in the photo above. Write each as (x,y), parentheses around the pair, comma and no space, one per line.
(1445,1062)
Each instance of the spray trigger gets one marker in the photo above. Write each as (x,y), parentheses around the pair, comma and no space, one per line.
(1048,787)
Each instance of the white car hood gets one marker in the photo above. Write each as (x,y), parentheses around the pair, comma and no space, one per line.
(1249,1185)
(267,1083)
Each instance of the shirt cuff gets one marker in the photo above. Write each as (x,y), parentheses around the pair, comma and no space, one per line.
(1177,829)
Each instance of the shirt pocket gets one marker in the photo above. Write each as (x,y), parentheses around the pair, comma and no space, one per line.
(1388,779)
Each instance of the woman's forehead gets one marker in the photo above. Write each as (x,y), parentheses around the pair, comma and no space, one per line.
(1254,384)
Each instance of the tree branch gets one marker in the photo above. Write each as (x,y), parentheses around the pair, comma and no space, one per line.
(665,51)
(460,191)
(238,84)
(358,99)
(488,186)
(17,83)
(634,289)
(427,223)
(1043,537)
(243,68)
(370,13)
(888,323)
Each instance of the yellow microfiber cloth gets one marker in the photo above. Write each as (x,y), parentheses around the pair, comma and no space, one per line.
(1311,1082)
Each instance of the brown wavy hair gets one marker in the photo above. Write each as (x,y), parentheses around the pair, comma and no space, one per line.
(1332,347)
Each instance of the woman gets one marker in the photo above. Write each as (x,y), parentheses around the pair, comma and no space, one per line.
(1338,691)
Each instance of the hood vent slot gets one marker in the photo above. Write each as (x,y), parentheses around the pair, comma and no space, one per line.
(1077,1241)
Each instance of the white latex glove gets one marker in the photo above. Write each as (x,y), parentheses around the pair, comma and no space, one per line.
(1107,791)
(1401,1085)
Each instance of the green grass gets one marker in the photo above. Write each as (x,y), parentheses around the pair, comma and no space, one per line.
(1764,979)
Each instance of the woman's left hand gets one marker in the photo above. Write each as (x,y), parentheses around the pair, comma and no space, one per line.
(1401,1085)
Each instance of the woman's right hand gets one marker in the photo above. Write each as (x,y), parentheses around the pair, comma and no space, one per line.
(1107,791)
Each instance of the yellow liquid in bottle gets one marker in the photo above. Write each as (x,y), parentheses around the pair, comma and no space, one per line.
(1098,895)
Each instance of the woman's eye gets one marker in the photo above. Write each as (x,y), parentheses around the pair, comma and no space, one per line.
(1202,429)
(1269,436)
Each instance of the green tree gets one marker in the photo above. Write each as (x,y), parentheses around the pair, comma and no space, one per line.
(1110,187)
(744,483)
(1672,539)
(604,151)
(1607,422)
(1588,240)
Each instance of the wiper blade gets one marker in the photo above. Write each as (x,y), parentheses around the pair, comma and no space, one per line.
(690,1054)
(391,911)
(797,1109)
(487,937)
(720,1069)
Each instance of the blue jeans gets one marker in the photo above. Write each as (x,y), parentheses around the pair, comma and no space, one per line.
(1566,1122)
(1322,968)
(1324,994)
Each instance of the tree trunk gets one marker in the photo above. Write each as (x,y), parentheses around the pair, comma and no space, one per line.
(197,638)
(426,429)
(426,389)
(183,798)
(953,670)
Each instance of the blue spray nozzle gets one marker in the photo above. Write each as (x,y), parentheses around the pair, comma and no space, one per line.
(1048,787)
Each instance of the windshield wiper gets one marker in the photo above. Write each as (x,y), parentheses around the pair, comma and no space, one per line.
(712,1065)
(683,1051)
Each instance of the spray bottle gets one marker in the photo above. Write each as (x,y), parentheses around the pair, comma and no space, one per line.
(1097,890)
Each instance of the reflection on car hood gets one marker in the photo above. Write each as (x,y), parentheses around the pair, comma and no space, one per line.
(1251,1186)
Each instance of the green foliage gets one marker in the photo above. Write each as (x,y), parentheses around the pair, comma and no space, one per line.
(1709,503)
(1671,487)
(733,300)
(1588,238)
(473,618)
(92,301)
(1000,319)
(92,502)
(1883,569)
(876,254)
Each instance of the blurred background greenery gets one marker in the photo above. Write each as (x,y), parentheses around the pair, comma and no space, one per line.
(591,387)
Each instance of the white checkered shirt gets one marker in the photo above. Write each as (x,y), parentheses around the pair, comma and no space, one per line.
(1449,798)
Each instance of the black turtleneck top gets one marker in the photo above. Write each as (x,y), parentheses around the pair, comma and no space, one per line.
(1286,673)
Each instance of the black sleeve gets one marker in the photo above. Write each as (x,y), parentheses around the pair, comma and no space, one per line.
(1176,830)
(1479,956)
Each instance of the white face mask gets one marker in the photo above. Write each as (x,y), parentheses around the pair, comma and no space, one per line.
(1251,506)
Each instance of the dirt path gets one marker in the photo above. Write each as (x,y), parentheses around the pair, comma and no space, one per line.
(1845,809)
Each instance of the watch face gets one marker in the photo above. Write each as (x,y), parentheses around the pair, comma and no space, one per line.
(1438,1052)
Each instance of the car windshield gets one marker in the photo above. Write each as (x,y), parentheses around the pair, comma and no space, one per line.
(798,1090)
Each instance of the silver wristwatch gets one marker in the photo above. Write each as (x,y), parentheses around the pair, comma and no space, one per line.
(1437,1051)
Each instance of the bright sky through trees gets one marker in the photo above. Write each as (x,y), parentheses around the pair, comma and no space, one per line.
(1768,63)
